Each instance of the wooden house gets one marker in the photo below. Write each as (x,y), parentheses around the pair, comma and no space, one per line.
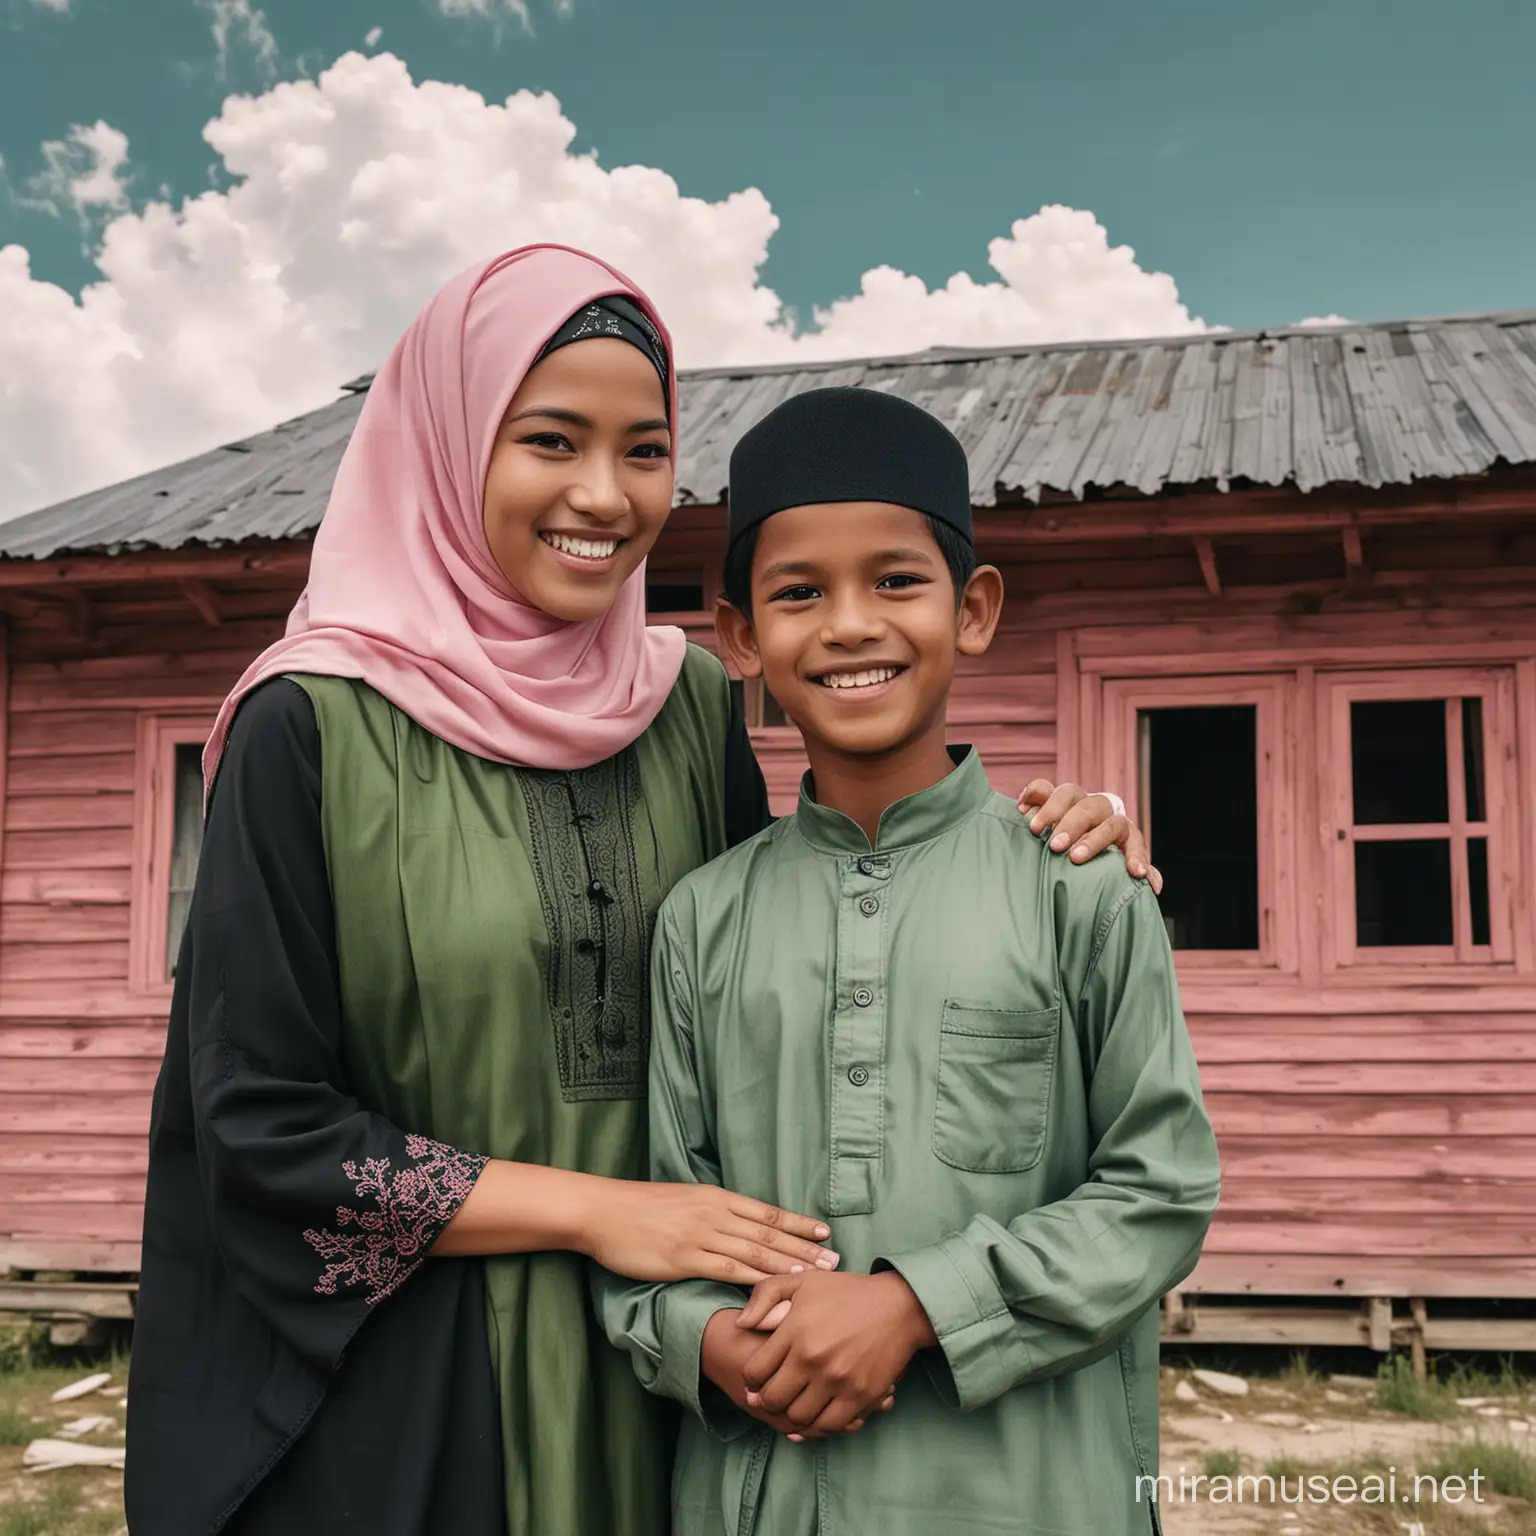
(1279,589)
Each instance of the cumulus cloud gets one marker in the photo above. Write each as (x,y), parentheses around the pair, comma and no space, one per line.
(356,194)
(53,5)
(237,24)
(374,34)
(85,172)
(1318,321)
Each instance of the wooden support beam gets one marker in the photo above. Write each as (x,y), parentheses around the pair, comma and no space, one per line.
(1207,553)
(82,617)
(1177,1318)
(1416,1343)
(290,558)
(1354,555)
(1381,1323)
(106,1299)
(205,600)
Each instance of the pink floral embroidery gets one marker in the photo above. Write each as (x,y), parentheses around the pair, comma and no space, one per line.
(414,1205)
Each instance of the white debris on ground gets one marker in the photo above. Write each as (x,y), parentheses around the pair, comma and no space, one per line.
(1220,1381)
(51,1455)
(82,1388)
(86,1426)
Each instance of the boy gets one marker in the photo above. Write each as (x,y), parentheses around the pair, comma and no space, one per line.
(896,1009)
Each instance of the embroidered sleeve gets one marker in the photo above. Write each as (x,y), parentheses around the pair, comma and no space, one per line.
(379,1248)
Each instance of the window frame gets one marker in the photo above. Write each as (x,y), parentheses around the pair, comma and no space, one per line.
(1494,685)
(1273,697)
(154,821)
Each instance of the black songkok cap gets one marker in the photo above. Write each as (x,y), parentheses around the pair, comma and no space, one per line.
(831,445)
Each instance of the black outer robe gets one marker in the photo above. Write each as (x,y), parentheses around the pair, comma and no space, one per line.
(259,1407)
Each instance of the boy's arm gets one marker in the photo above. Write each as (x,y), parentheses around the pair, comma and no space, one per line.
(1058,1286)
(661,1326)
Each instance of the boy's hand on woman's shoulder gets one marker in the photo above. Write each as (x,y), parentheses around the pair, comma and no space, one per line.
(837,1355)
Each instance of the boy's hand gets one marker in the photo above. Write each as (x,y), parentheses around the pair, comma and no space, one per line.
(845,1343)
(1088,824)
(726,1350)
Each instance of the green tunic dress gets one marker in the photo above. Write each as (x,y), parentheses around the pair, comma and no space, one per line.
(492,928)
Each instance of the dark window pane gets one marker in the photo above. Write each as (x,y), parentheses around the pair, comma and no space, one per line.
(1472,755)
(673,597)
(1477,881)
(1402,893)
(186,845)
(768,711)
(1398,752)
(1201,793)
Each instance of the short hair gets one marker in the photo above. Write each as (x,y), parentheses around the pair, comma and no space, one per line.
(958,551)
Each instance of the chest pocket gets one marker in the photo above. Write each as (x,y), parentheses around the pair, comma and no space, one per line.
(994,1087)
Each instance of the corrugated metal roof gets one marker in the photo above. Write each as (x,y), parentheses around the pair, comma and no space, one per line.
(1368,405)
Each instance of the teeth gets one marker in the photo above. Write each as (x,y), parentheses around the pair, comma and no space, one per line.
(859,679)
(587,549)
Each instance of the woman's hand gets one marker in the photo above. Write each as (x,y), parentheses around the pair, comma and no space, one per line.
(697,1232)
(1088,824)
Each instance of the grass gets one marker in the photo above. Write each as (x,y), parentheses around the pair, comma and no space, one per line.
(60,1509)
(17,1428)
(72,1501)
(1398,1390)
(1223,1464)
(1505,1468)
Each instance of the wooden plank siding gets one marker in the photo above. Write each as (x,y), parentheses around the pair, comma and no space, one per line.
(1377,1129)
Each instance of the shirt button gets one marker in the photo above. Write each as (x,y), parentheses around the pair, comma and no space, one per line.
(866,867)
(869,906)
(863,996)
(858,1076)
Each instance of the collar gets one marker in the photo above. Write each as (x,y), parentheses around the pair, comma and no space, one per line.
(915,819)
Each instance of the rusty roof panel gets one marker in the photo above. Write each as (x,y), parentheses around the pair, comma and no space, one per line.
(1370,405)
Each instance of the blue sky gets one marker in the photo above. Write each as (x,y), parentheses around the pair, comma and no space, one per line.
(1365,158)
(1361,157)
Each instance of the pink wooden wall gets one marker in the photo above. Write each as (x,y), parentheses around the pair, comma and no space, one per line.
(1376,1131)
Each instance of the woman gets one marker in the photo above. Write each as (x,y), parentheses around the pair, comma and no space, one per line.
(410,1010)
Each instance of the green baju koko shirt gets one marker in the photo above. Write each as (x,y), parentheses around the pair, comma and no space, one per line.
(970,1058)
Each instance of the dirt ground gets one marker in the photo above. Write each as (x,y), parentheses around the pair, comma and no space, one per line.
(1297,1423)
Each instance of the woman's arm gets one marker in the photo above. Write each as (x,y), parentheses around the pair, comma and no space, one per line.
(315,1199)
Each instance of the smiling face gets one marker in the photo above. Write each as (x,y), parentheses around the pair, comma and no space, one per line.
(580,481)
(855,627)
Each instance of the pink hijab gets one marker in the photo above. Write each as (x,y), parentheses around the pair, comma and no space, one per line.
(403,591)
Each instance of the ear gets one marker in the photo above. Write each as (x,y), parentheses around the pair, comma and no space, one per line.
(981,606)
(733,629)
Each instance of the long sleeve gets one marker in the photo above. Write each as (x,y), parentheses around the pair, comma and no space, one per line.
(319,1209)
(1055,1288)
(661,1326)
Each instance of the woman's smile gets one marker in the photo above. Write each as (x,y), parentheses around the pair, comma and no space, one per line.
(583,551)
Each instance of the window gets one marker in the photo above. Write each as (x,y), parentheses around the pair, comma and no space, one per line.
(186,844)
(674,594)
(1415,789)
(1204,758)
(1199,778)
(168,837)
(762,709)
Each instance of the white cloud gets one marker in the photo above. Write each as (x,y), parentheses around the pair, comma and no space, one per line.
(355,195)
(517,9)
(1314,321)
(86,171)
(237,21)
(53,5)
(374,34)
